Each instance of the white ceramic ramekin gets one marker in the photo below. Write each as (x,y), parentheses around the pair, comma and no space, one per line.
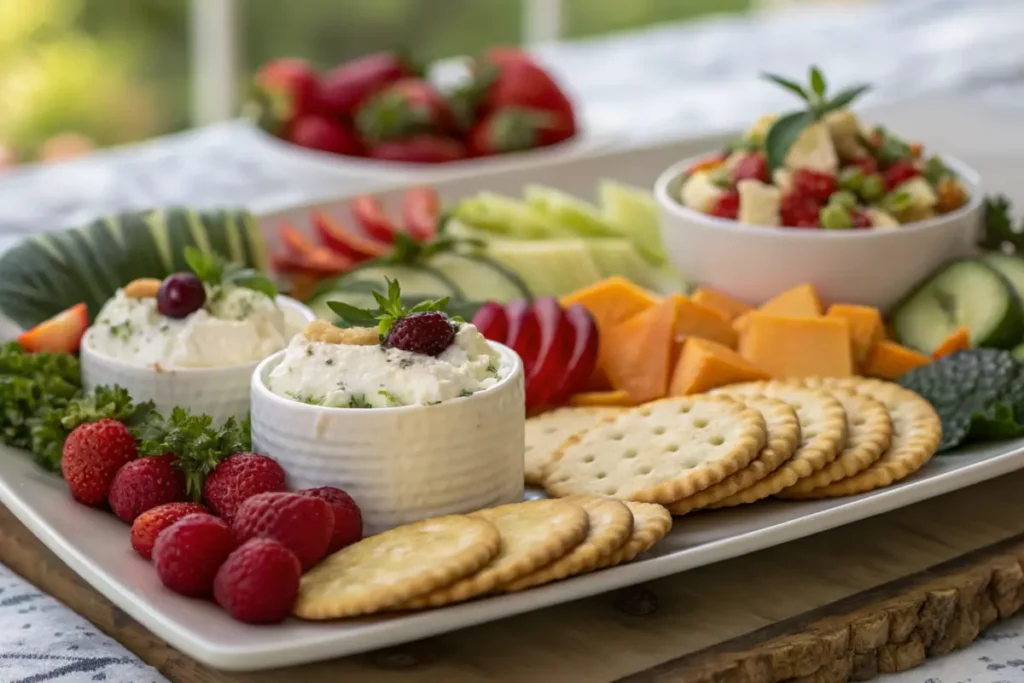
(219,392)
(401,464)
(869,267)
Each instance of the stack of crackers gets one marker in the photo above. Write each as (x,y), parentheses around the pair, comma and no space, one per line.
(794,439)
(450,559)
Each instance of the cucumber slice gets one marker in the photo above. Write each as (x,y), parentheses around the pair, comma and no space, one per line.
(620,257)
(635,213)
(1010,267)
(548,267)
(481,278)
(458,230)
(252,239)
(966,292)
(422,281)
(505,216)
(581,218)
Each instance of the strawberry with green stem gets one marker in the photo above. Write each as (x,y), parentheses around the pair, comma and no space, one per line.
(786,129)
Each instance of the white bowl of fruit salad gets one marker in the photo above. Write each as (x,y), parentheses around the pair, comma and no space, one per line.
(815,196)
(193,339)
(416,416)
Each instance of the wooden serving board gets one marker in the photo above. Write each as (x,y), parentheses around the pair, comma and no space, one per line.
(876,596)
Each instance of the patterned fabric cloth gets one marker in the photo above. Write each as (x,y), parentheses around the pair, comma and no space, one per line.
(42,640)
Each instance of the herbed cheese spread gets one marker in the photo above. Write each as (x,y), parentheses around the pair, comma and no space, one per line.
(235,326)
(346,375)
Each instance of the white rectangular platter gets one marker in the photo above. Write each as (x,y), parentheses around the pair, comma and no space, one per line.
(95,545)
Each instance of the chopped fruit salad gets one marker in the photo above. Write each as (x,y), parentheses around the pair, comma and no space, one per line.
(820,167)
(214,316)
(401,357)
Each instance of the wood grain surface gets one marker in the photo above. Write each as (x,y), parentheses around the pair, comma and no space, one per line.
(842,605)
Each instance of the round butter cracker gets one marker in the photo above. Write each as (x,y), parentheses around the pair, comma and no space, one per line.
(611,526)
(546,432)
(387,569)
(533,534)
(822,436)
(651,523)
(659,452)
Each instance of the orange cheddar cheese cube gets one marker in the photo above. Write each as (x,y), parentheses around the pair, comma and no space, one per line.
(888,360)
(958,340)
(798,347)
(697,320)
(723,303)
(637,353)
(866,327)
(801,301)
(592,399)
(704,365)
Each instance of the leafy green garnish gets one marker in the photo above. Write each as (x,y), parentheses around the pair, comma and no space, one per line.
(998,231)
(389,312)
(785,131)
(198,445)
(214,270)
(978,394)
(49,434)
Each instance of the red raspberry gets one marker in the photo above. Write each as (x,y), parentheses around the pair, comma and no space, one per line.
(727,205)
(259,582)
(145,483)
(238,477)
(798,211)
(92,455)
(348,520)
(188,554)
(899,173)
(861,219)
(429,333)
(149,524)
(751,167)
(304,524)
(819,186)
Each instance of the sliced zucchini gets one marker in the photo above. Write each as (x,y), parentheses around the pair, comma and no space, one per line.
(481,278)
(548,267)
(414,280)
(968,293)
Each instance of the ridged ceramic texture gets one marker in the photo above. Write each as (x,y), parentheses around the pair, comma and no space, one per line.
(401,464)
(218,392)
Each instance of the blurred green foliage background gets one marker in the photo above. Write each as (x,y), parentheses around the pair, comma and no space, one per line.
(118,70)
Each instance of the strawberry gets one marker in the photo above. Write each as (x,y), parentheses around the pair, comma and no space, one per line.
(93,453)
(150,523)
(62,332)
(900,172)
(751,167)
(814,184)
(314,131)
(517,81)
(188,553)
(144,484)
(727,205)
(346,87)
(290,89)
(348,520)
(405,108)
(259,582)
(420,149)
(304,524)
(239,477)
(517,128)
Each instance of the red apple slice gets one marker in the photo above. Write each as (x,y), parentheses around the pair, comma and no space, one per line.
(61,333)
(370,215)
(523,332)
(340,239)
(492,321)
(582,359)
(555,347)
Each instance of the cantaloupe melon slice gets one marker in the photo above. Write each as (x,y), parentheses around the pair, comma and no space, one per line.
(637,354)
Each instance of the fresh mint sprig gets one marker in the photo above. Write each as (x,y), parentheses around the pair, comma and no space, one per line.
(390,309)
(786,129)
(214,270)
